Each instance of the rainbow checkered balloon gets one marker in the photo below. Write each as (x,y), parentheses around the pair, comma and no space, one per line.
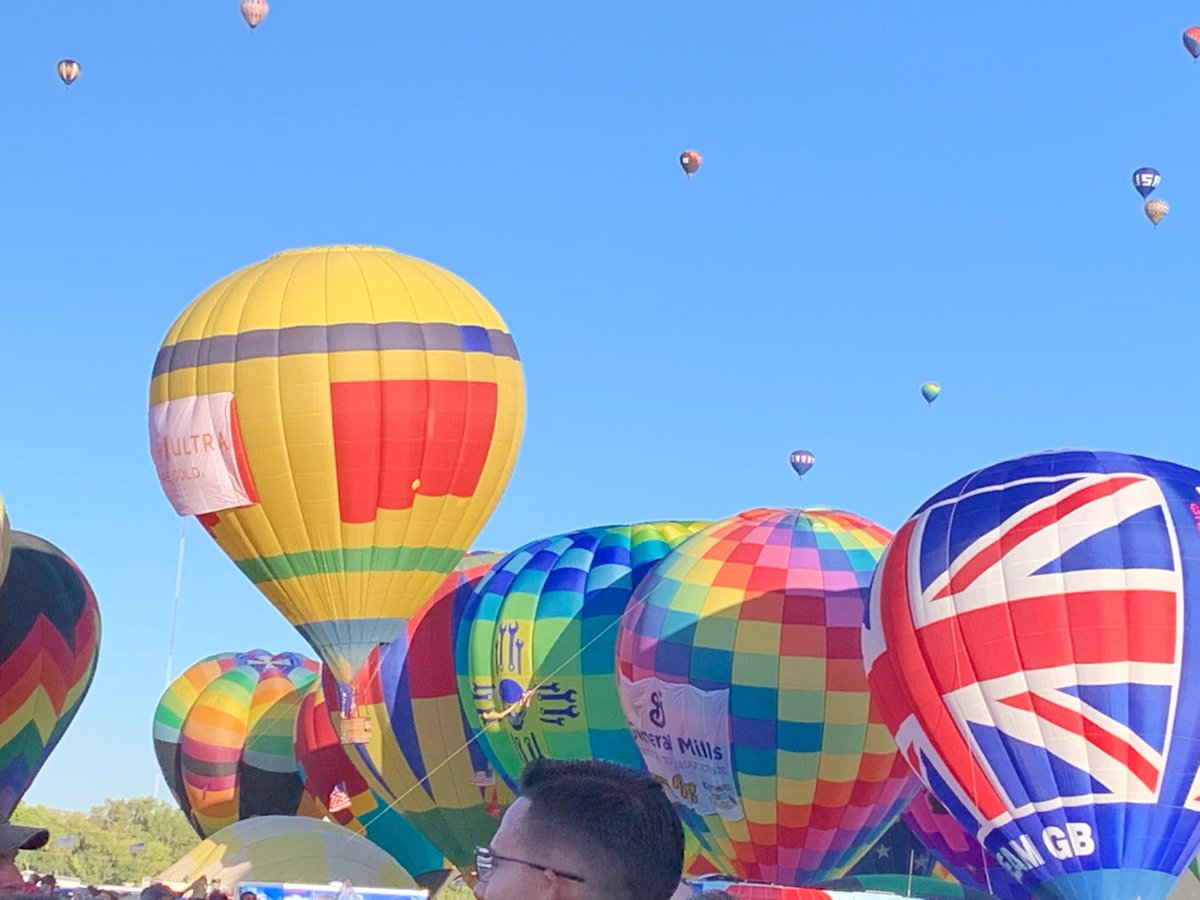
(740,671)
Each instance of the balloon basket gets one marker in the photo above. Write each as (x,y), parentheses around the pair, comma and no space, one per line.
(355,730)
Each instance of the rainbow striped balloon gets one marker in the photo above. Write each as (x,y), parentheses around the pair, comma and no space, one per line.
(544,620)
(224,734)
(344,796)
(741,675)
(415,756)
(49,643)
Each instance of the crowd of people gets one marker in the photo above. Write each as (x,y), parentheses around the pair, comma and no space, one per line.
(580,830)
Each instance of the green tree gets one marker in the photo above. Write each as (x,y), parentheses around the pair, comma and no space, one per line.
(98,846)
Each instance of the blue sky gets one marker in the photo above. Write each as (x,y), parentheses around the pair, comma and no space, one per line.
(888,197)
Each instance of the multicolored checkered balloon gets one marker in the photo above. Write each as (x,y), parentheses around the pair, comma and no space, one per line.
(740,671)
(535,649)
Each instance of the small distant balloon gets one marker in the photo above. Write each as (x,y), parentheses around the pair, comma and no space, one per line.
(1145,180)
(254,11)
(1191,40)
(802,461)
(1156,210)
(690,160)
(68,70)
(930,391)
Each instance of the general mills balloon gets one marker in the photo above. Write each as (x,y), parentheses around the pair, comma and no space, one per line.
(224,732)
(343,421)
(741,676)
(49,643)
(1033,639)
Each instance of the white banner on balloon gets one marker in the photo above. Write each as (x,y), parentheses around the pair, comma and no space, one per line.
(194,447)
(684,737)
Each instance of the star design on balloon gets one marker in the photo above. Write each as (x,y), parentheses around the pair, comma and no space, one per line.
(882,852)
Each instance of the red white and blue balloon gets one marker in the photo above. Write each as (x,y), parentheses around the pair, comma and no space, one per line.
(1033,642)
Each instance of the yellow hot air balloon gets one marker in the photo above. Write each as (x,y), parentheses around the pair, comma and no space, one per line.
(5,541)
(68,71)
(343,421)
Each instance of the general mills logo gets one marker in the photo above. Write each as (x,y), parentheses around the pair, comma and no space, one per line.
(658,718)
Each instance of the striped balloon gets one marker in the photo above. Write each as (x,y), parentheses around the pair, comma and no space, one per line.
(224,734)
(748,638)
(49,642)
(332,780)
(415,756)
(544,620)
(342,420)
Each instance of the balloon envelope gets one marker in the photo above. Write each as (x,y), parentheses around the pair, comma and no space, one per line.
(802,461)
(1032,643)
(930,391)
(224,733)
(740,670)
(344,796)
(415,755)
(343,421)
(68,70)
(1145,180)
(5,540)
(1156,210)
(254,11)
(962,855)
(1191,41)
(544,620)
(691,161)
(287,849)
(49,643)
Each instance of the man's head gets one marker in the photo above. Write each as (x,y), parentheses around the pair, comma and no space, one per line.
(13,839)
(585,830)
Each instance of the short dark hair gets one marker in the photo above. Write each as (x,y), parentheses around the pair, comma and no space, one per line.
(617,815)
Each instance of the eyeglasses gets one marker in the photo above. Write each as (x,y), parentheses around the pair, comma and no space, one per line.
(486,859)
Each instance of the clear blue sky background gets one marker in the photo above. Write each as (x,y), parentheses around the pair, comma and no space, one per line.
(888,196)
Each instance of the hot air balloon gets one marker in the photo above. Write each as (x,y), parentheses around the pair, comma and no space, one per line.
(802,461)
(535,652)
(1191,41)
(68,71)
(962,855)
(5,540)
(741,676)
(254,11)
(690,160)
(898,851)
(1156,210)
(414,754)
(343,421)
(1145,180)
(49,642)
(286,849)
(897,885)
(224,733)
(930,391)
(1032,643)
(331,778)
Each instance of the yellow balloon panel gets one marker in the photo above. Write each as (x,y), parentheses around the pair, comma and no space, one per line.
(5,541)
(343,420)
